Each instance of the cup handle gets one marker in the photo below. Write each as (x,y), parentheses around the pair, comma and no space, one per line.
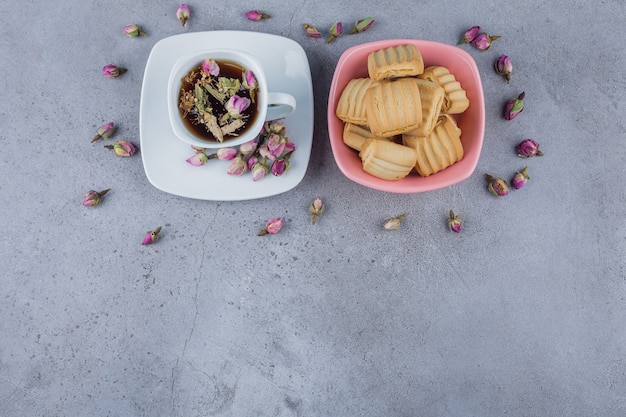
(279,105)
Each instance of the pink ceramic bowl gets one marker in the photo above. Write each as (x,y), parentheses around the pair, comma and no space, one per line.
(353,64)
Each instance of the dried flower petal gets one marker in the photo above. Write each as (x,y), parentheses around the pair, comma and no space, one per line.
(497,186)
(112,71)
(483,41)
(514,107)
(210,66)
(520,178)
(393,223)
(362,25)
(272,227)
(504,67)
(123,148)
(470,35)
(93,198)
(257,15)
(105,131)
(528,148)
(454,222)
(151,236)
(182,13)
(316,208)
(336,30)
(311,31)
(133,31)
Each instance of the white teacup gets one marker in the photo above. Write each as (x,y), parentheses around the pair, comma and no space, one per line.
(269,105)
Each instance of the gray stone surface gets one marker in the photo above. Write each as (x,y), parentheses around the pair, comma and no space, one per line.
(522,314)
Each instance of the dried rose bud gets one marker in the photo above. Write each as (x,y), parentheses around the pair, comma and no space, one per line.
(316,208)
(393,223)
(105,131)
(152,236)
(248,147)
(272,227)
(455,223)
(335,31)
(198,159)
(123,148)
(250,83)
(362,25)
(504,67)
(311,31)
(236,105)
(237,167)
(210,66)
(497,186)
(528,148)
(112,71)
(483,41)
(279,167)
(226,154)
(520,178)
(514,107)
(133,31)
(93,198)
(256,15)
(183,13)
(258,171)
(470,35)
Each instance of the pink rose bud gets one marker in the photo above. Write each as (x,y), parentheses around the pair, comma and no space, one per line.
(226,154)
(520,179)
(93,198)
(236,105)
(249,80)
(252,162)
(362,25)
(393,223)
(504,67)
(311,31)
(258,171)
(275,127)
(528,148)
(123,148)
(272,227)
(454,222)
(470,35)
(514,107)
(183,13)
(198,159)
(497,186)
(276,145)
(289,147)
(483,41)
(248,147)
(105,131)
(335,31)
(210,66)
(112,71)
(316,208)
(151,236)
(279,167)
(237,167)
(257,15)
(133,31)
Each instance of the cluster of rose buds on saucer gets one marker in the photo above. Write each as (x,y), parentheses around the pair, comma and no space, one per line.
(270,152)
(479,40)
(336,30)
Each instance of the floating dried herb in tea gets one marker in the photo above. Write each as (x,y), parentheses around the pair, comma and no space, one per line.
(218,100)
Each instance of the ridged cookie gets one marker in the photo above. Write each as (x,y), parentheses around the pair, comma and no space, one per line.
(394,62)
(393,107)
(351,107)
(439,150)
(432,97)
(354,136)
(455,101)
(387,160)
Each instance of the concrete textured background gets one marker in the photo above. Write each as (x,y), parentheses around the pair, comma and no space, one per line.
(522,314)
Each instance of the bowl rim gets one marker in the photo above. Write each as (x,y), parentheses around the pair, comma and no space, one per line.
(414,184)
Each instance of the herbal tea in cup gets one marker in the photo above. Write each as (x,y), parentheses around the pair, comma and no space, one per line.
(220,98)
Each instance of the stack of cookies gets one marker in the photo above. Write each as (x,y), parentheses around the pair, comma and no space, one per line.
(399,117)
